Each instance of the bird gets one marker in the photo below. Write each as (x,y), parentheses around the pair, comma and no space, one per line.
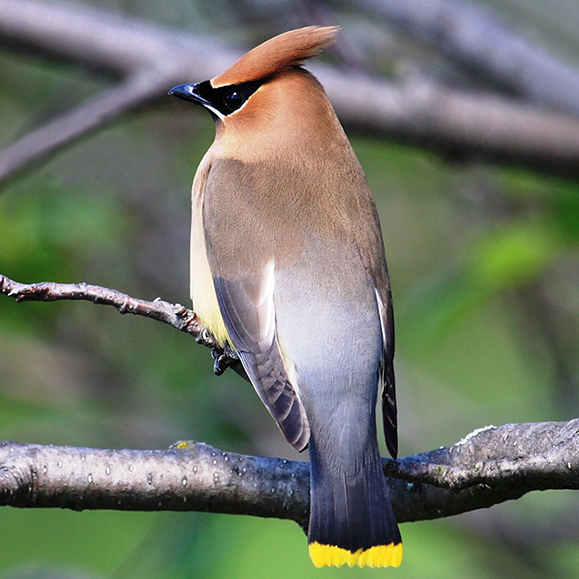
(288,268)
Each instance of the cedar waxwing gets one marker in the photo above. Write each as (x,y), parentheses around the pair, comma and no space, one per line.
(288,267)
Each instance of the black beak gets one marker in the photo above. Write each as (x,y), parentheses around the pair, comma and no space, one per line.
(188,92)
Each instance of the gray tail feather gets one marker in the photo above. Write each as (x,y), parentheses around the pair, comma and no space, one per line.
(350,507)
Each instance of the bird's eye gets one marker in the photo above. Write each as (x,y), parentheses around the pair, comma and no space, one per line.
(233,100)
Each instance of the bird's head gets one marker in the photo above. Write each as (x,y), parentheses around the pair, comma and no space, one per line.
(227,95)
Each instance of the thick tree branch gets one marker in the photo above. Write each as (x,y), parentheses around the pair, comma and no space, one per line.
(490,466)
(151,60)
(201,478)
(534,456)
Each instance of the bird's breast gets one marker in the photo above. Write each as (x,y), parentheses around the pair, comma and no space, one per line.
(203,294)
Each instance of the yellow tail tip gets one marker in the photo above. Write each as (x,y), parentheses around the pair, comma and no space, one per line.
(377,556)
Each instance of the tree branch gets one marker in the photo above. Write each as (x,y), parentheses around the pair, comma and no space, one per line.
(433,115)
(175,315)
(535,456)
(487,467)
(41,144)
(201,478)
(474,39)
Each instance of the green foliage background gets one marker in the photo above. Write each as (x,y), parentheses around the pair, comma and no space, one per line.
(483,261)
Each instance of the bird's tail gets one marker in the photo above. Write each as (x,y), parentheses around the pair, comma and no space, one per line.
(351,519)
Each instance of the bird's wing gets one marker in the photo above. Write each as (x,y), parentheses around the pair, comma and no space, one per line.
(240,255)
(371,248)
(389,411)
(248,310)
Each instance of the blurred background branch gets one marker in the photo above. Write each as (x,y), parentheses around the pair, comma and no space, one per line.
(485,49)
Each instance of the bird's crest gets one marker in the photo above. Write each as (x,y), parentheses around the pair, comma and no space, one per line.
(277,54)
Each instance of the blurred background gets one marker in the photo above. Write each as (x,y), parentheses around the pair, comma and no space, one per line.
(483,252)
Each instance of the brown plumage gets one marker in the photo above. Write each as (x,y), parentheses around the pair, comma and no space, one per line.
(279,53)
(288,266)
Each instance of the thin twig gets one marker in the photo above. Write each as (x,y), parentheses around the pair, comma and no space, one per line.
(175,315)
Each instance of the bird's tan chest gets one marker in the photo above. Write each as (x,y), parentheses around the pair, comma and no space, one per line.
(203,295)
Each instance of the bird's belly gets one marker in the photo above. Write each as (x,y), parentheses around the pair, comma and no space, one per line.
(205,303)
